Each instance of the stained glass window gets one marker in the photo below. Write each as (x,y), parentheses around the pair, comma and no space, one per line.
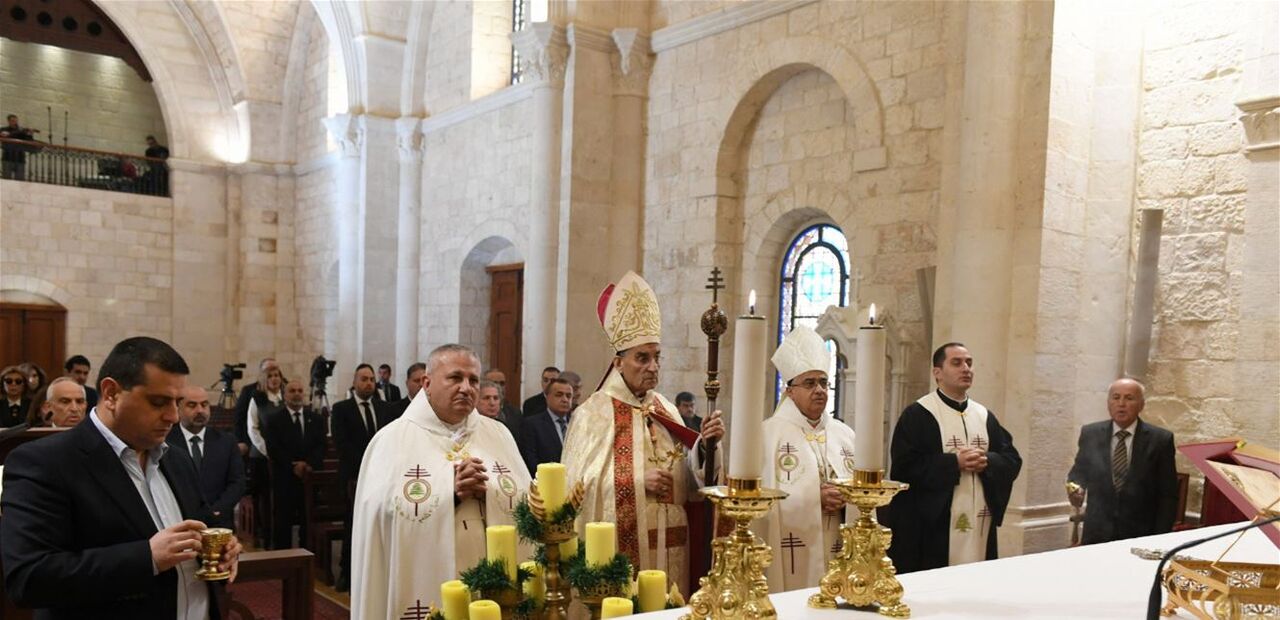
(815,275)
(519,19)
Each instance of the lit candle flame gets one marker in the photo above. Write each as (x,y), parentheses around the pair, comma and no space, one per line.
(751,302)
(871,315)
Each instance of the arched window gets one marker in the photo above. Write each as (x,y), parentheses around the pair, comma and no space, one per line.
(815,275)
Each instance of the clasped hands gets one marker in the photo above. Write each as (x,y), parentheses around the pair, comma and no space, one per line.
(181,542)
(972,460)
(469,479)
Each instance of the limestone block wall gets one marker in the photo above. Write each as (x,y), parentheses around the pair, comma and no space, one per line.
(111,107)
(475,185)
(107,257)
(787,101)
(1192,165)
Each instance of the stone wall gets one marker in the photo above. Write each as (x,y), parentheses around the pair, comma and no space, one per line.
(111,108)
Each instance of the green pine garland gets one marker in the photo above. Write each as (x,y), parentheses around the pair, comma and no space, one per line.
(617,573)
(490,575)
(531,528)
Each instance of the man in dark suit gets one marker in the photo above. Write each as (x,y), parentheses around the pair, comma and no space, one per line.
(413,383)
(213,453)
(77,368)
(1125,466)
(98,519)
(13,411)
(537,404)
(353,423)
(489,404)
(387,390)
(688,411)
(500,378)
(544,434)
(295,445)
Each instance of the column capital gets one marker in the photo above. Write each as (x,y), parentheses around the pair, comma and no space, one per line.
(348,132)
(544,52)
(1261,122)
(634,62)
(409,138)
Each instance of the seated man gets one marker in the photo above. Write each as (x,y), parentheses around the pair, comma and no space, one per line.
(295,441)
(1125,464)
(97,519)
(64,403)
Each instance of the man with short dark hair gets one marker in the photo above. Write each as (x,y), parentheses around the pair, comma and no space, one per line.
(544,434)
(77,368)
(353,422)
(156,179)
(960,464)
(688,411)
(14,155)
(537,404)
(575,381)
(295,441)
(217,460)
(430,485)
(98,519)
(1125,465)
(387,391)
(413,383)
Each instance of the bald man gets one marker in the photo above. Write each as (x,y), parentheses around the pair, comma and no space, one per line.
(1124,466)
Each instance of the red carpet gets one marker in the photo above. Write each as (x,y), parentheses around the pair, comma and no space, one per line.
(260,600)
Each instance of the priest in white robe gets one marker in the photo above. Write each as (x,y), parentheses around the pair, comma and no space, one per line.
(806,450)
(430,483)
(629,446)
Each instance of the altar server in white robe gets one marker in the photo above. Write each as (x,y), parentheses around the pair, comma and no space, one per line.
(807,448)
(430,483)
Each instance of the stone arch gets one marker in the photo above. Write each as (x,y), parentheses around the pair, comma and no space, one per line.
(767,68)
(342,22)
(417,46)
(32,285)
(474,289)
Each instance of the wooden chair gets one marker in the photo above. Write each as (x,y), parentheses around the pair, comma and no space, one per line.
(325,506)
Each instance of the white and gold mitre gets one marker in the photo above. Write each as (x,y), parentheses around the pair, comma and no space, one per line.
(801,351)
(628,312)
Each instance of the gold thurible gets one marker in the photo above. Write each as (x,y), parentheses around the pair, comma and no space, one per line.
(862,573)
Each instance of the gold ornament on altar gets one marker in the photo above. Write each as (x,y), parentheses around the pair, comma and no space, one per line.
(556,604)
(736,587)
(862,573)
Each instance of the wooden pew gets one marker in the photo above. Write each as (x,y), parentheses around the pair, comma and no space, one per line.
(325,510)
(291,567)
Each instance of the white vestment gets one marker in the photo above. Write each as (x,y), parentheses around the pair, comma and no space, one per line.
(970,518)
(407,536)
(799,458)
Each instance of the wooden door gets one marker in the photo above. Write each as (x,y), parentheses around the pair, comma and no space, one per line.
(506,300)
(37,334)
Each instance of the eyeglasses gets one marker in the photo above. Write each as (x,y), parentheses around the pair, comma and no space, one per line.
(811,384)
(19,381)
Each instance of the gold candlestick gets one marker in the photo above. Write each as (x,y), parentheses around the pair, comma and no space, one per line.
(862,573)
(736,587)
(594,599)
(556,605)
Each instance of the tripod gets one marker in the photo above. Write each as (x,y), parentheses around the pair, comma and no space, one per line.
(320,401)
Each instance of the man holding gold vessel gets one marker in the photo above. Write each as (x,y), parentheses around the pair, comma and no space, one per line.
(628,445)
(430,483)
(99,520)
(807,449)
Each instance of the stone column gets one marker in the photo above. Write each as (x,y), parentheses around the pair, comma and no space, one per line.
(380,225)
(630,98)
(544,53)
(409,140)
(345,330)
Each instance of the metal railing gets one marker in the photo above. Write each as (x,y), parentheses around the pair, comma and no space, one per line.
(39,162)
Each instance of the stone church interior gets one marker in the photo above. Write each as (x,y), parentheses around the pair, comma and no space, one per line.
(314,192)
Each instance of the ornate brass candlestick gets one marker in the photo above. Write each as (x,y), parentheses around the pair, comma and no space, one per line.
(556,606)
(736,588)
(506,598)
(862,573)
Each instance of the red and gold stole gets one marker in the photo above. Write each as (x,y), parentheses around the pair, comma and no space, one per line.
(624,483)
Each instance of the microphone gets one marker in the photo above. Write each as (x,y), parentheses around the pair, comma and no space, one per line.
(1153,603)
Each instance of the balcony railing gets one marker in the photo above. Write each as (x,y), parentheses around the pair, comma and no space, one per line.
(38,162)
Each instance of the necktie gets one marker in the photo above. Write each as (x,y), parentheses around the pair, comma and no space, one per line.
(196,454)
(368,419)
(1119,460)
(563,421)
(297,421)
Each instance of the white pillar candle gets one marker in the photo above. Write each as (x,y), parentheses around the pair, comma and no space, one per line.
(746,438)
(868,398)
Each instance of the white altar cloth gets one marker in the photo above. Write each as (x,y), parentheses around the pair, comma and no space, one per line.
(1094,581)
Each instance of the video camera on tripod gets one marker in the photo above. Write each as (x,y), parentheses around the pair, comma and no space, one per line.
(227,376)
(321,370)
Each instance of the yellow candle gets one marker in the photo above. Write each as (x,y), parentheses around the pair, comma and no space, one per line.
(653,590)
(485,610)
(534,587)
(500,541)
(551,486)
(456,597)
(602,543)
(569,548)
(612,607)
